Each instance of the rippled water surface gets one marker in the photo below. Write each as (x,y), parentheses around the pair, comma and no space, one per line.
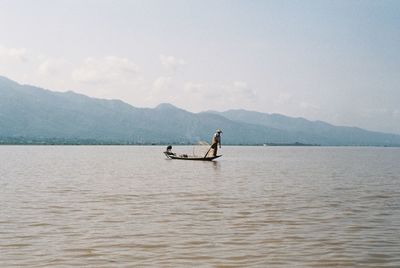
(128,206)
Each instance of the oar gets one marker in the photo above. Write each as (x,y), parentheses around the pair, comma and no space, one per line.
(207,152)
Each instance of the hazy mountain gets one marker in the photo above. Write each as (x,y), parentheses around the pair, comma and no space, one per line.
(27,111)
(31,112)
(307,131)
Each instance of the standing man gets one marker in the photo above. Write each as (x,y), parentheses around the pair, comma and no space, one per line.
(216,139)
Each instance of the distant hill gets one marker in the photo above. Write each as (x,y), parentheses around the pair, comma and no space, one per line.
(30,113)
(316,132)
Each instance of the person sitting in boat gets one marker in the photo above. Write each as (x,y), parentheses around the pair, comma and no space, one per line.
(169,150)
(215,141)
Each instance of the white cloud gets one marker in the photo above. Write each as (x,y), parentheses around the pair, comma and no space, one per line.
(228,95)
(193,88)
(239,84)
(242,90)
(283,98)
(380,112)
(235,93)
(165,88)
(51,67)
(308,106)
(372,112)
(162,83)
(171,63)
(13,54)
(106,70)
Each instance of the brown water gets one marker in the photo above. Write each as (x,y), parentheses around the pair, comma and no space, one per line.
(78,206)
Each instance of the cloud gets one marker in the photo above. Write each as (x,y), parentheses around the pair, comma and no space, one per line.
(242,90)
(193,88)
(235,93)
(171,63)
(164,89)
(293,104)
(283,98)
(51,67)
(162,83)
(13,54)
(308,106)
(382,112)
(106,70)
(226,95)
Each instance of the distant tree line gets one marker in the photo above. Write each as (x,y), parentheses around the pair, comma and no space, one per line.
(76,141)
(80,141)
(57,141)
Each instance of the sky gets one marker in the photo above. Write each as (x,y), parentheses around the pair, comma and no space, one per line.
(336,61)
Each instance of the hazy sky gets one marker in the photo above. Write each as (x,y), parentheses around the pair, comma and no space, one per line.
(337,61)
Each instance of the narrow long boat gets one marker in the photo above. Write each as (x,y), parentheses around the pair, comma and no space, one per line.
(191,157)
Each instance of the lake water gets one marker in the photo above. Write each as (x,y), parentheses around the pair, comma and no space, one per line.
(127,206)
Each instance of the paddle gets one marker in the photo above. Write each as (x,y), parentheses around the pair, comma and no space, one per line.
(207,152)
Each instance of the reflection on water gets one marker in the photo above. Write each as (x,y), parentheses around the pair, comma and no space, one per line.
(255,207)
(216,165)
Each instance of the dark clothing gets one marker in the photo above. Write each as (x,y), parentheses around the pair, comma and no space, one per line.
(168,151)
(214,149)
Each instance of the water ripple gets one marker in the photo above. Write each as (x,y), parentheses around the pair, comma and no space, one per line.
(257,207)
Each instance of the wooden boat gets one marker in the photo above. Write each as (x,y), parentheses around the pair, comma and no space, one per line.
(190,157)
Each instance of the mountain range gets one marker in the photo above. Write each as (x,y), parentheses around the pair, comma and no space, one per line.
(31,113)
